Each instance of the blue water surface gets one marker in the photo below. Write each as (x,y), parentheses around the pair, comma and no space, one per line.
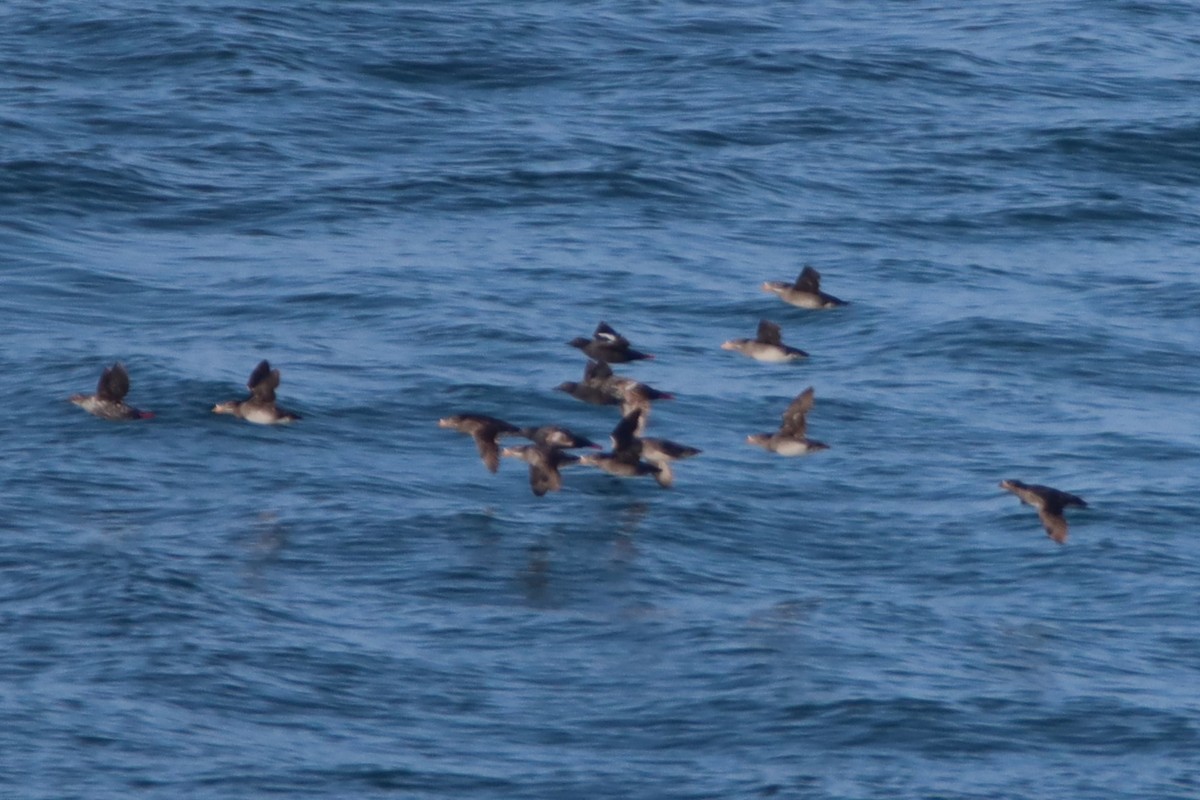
(409,209)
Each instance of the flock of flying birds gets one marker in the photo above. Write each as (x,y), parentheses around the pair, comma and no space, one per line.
(632,454)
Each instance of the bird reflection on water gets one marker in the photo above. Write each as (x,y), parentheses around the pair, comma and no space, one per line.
(270,536)
(535,576)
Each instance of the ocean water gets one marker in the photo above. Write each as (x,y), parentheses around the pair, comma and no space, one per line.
(409,208)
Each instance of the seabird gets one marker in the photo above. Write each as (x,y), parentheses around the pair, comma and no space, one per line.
(109,400)
(1049,504)
(608,346)
(596,387)
(544,462)
(625,458)
(790,440)
(485,431)
(602,388)
(260,406)
(805,292)
(767,345)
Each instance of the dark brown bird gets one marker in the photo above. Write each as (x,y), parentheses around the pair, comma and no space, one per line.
(805,292)
(597,386)
(544,462)
(625,458)
(767,345)
(486,431)
(601,387)
(109,400)
(608,346)
(1049,503)
(260,406)
(790,440)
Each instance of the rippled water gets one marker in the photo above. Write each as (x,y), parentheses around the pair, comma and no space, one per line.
(409,209)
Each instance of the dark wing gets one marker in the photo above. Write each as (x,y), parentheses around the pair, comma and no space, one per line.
(542,481)
(583,441)
(1051,499)
(558,458)
(605,333)
(593,393)
(794,422)
(1057,500)
(261,371)
(809,281)
(489,451)
(114,383)
(1055,524)
(562,437)
(768,333)
(642,393)
(623,440)
(596,371)
(543,469)
(543,478)
(670,449)
(497,426)
(263,382)
(265,389)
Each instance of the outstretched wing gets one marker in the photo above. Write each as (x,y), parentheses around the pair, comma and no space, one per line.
(605,333)
(623,440)
(794,422)
(489,451)
(263,382)
(1055,525)
(1057,500)
(556,436)
(543,469)
(768,333)
(543,479)
(809,281)
(114,383)
(665,448)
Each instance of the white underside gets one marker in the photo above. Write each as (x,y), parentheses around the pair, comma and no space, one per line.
(774,355)
(261,416)
(802,300)
(792,447)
